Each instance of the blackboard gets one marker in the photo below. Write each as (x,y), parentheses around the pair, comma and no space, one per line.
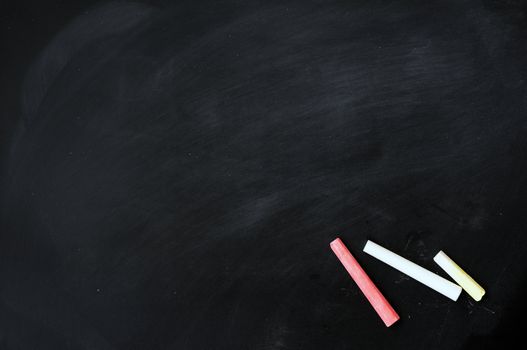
(173,172)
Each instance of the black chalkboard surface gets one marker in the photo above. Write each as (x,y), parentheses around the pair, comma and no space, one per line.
(173,172)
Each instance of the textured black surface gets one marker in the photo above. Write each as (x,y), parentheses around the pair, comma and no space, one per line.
(172,174)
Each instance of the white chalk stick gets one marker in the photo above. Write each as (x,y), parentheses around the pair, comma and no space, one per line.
(430,279)
(461,277)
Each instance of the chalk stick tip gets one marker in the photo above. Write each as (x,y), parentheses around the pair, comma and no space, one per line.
(440,255)
(390,322)
(335,241)
(455,297)
(368,244)
(478,296)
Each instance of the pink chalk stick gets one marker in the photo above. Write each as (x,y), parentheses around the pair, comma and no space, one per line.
(374,296)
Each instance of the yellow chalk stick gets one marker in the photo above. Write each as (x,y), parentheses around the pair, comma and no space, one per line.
(461,277)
